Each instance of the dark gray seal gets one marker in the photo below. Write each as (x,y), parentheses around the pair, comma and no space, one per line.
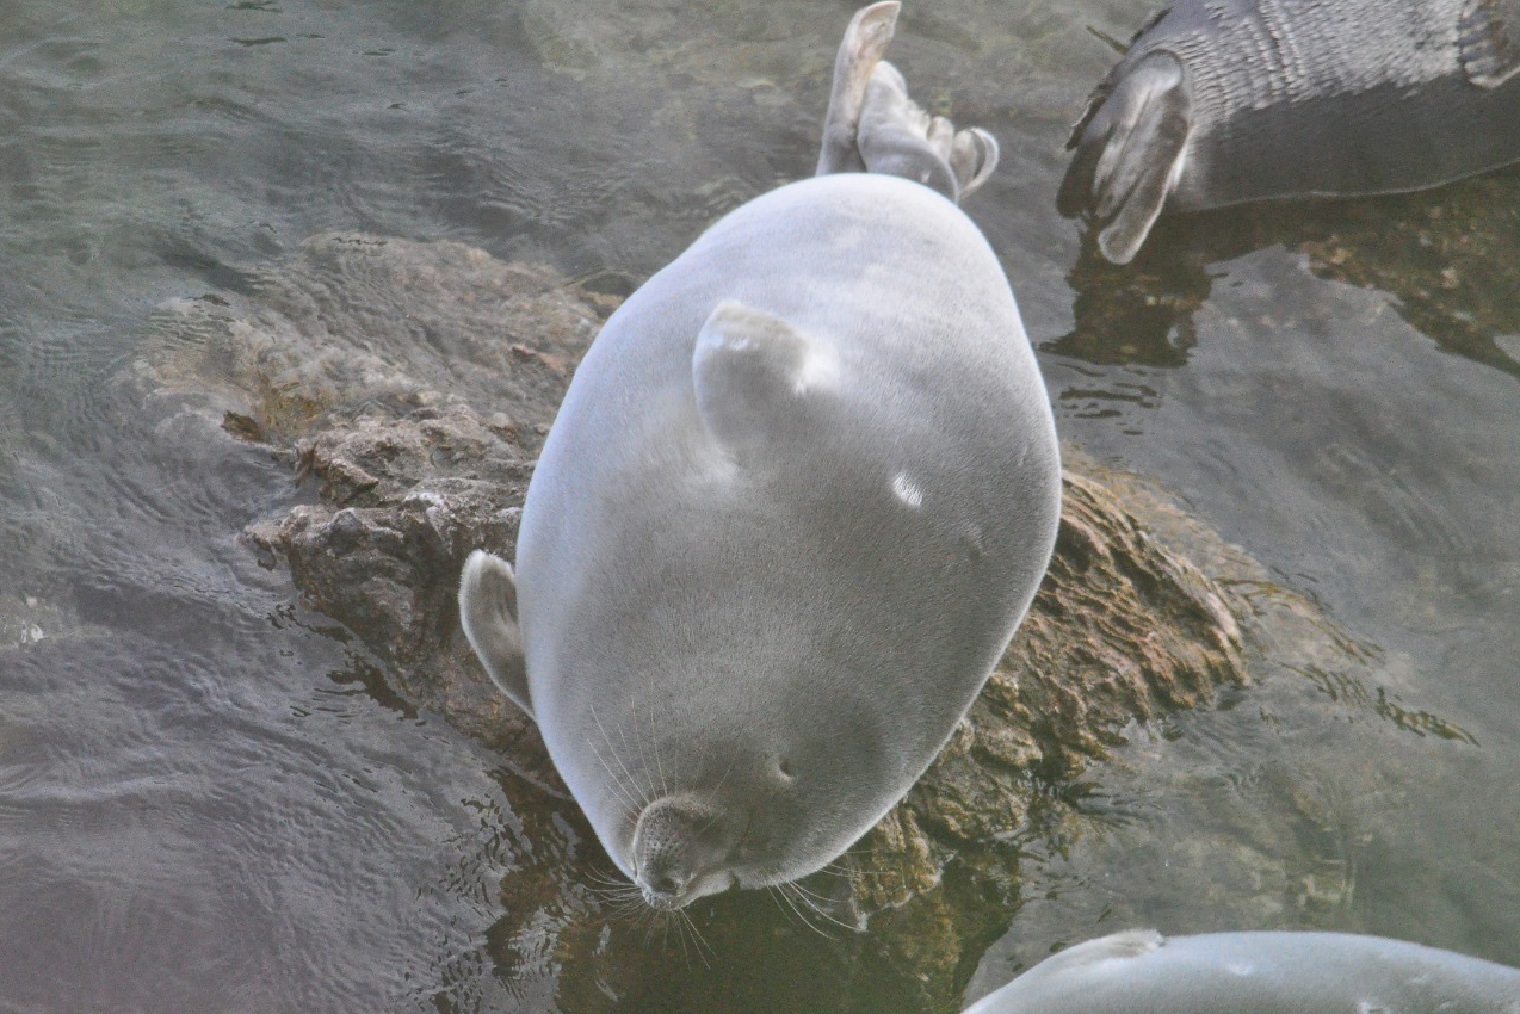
(1142,972)
(798,497)
(1220,102)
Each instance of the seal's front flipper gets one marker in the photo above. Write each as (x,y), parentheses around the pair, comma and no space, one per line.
(869,33)
(488,613)
(1130,154)
(752,372)
(1488,39)
(897,138)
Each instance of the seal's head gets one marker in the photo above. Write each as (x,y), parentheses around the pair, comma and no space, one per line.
(732,804)
(705,738)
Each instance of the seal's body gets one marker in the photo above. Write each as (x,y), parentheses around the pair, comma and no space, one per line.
(797,499)
(1220,102)
(1139,972)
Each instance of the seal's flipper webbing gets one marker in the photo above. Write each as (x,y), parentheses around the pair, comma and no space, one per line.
(897,138)
(873,126)
(488,613)
(865,40)
(1130,155)
(973,155)
(1488,39)
(751,371)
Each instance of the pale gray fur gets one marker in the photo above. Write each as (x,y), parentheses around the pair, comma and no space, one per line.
(1219,102)
(797,499)
(1140,972)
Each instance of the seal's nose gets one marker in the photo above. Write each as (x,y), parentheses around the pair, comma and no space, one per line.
(679,844)
(664,891)
(664,883)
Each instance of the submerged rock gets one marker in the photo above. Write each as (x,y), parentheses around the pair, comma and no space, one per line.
(409,384)
(1450,257)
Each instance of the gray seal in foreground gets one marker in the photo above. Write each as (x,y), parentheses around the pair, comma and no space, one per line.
(1220,102)
(798,497)
(1142,972)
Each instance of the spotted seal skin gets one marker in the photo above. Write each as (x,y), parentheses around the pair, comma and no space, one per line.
(1141,972)
(1220,102)
(798,497)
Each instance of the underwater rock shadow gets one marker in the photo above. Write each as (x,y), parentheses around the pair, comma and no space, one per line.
(1450,256)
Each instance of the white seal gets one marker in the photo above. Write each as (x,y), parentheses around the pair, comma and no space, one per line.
(798,497)
(1142,972)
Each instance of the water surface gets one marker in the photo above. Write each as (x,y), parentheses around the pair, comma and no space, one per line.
(201,805)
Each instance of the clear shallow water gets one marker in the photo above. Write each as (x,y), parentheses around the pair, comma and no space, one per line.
(1374,471)
(200,805)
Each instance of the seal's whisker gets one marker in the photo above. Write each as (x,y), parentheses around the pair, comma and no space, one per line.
(640,915)
(639,740)
(699,942)
(617,783)
(645,791)
(624,787)
(813,903)
(781,900)
(842,869)
(666,920)
(805,914)
(717,816)
(601,876)
(632,784)
(719,787)
(610,890)
(628,908)
(647,919)
(609,885)
(807,892)
(599,883)
(780,891)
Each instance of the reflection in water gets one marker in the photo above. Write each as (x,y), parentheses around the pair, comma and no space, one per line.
(1140,313)
(1451,256)
(1372,471)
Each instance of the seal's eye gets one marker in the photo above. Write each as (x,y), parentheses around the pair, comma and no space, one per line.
(784,768)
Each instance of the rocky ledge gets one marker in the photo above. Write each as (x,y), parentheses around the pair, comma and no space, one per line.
(410,385)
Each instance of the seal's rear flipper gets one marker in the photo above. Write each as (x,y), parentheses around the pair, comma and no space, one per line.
(898,138)
(488,613)
(865,40)
(751,371)
(873,126)
(1130,154)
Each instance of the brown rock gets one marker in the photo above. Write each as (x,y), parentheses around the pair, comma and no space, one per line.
(339,362)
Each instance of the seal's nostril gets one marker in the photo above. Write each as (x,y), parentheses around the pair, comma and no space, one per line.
(784,766)
(664,883)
